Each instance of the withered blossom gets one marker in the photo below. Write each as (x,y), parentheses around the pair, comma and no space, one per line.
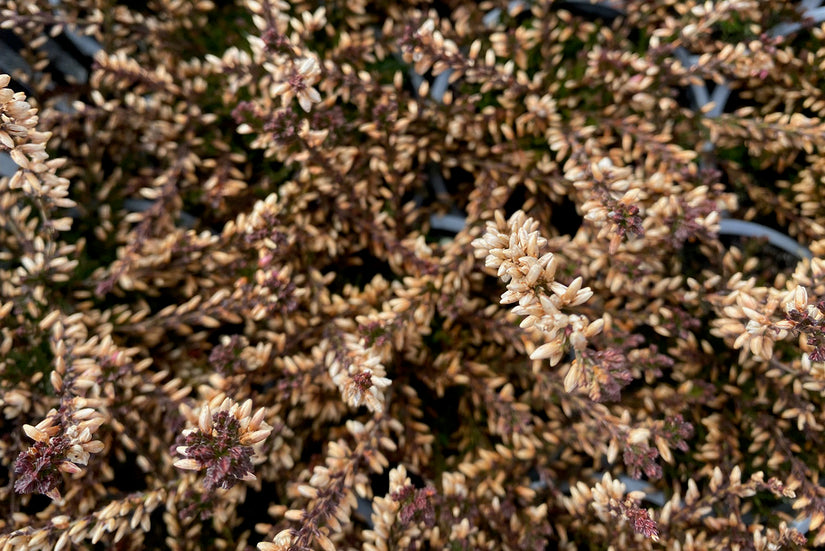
(223,443)
(300,79)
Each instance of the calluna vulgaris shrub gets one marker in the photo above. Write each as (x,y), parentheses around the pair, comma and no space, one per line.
(234,316)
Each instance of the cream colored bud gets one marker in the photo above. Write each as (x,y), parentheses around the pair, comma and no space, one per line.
(252,438)
(188,464)
(205,420)
(35,433)
(800,298)
(638,436)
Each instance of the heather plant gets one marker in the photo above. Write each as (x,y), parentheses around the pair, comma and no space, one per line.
(349,275)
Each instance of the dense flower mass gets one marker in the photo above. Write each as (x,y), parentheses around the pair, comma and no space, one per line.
(38,468)
(495,275)
(222,444)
